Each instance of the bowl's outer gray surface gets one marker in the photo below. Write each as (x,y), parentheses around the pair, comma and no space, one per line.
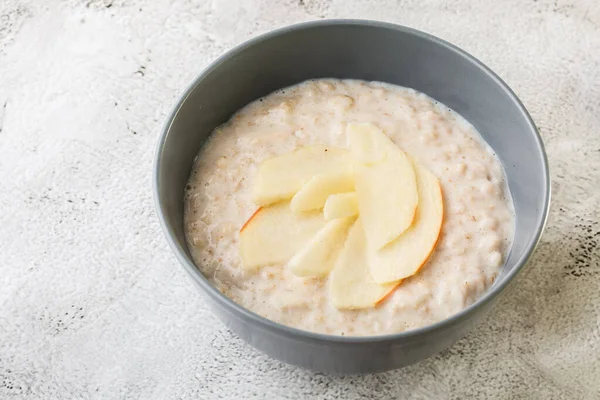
(359,50)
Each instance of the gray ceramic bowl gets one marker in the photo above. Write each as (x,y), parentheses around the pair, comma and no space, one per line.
(359,50)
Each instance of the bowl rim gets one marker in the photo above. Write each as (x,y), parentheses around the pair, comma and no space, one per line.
(265,323)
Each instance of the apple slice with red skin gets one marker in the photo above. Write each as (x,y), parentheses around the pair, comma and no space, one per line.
(350,283)
(314,193)
(274,234)
(280,178)
(405,255)
(318,257)
(385,184)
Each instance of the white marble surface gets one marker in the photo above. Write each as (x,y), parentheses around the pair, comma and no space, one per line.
(93,303)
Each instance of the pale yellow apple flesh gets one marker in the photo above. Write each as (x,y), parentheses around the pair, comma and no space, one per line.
(274,234)
(340,205)
(279,178)
(363,144)
(350,283)
(405,255)
(399,204)
(314,193)
(386,190)
(317,258)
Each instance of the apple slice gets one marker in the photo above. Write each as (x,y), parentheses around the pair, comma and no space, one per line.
(318,256)
(274,234)
(314,193)
(405,255)
(350,283)
(386,190)
(279,178)
(363,143)
(340,205)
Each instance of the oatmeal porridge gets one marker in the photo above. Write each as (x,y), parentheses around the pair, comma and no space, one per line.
(275,189)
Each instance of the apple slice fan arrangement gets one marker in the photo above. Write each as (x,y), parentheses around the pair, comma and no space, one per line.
(364,218)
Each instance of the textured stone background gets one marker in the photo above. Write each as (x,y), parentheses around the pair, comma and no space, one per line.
(93,303)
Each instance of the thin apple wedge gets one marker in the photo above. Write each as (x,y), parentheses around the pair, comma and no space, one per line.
(274,234)
(340,205)
(279,178)
(314,193)
(404,256)
(317,258)
(350,283)
(364,145)
(386,190)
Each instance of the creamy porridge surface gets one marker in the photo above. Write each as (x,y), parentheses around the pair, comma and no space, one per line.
(478,215)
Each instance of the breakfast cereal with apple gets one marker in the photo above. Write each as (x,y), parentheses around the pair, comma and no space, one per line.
(348,207)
